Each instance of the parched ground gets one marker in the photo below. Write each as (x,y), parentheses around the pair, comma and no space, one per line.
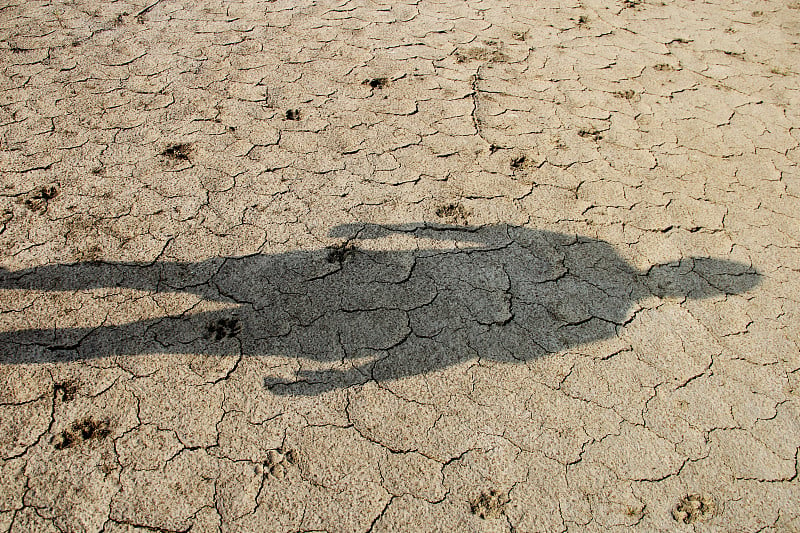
(429,266)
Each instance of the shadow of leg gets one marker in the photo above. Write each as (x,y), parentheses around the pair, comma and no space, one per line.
(209,333)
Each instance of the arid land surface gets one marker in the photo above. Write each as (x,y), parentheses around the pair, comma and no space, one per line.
(431,266)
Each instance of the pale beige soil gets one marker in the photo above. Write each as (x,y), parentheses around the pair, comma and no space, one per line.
(433,266)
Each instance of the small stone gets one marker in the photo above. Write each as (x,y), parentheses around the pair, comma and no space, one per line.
(278,471)
(292,456)
(274,457)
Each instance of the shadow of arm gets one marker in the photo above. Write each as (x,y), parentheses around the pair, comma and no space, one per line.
(75,276)
(151,277)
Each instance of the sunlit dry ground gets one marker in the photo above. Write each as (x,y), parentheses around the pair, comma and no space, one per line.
(358,266)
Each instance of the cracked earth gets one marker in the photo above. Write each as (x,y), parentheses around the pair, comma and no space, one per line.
(428,266)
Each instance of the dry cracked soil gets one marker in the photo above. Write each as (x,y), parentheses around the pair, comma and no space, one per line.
(432,265)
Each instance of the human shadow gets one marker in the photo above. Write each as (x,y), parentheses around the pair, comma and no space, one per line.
(496,292)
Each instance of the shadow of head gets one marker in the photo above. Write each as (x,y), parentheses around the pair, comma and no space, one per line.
(701,277)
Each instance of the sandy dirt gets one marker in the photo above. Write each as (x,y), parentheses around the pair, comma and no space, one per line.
(354,266)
